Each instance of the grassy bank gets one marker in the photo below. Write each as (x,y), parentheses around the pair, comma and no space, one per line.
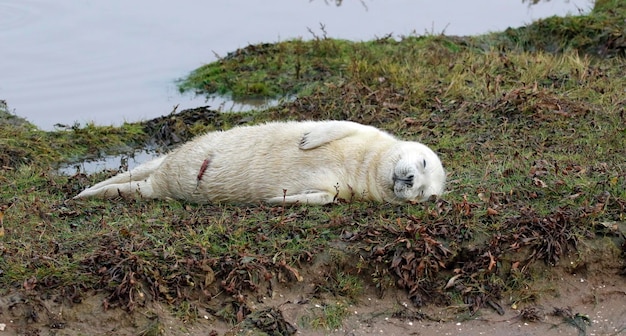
(529,123)
(297,66)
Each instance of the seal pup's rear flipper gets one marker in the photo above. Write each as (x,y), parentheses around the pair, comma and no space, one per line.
(141,188)
(134,181)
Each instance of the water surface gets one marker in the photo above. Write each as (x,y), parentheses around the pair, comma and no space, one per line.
(67,61)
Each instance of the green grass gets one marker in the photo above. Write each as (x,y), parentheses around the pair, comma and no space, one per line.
(270,70)
(532,138)
(302,67)
(328,316)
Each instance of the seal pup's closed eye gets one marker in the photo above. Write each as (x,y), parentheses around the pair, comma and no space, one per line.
(312,162)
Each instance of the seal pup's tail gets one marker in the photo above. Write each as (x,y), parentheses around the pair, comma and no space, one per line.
(135,181)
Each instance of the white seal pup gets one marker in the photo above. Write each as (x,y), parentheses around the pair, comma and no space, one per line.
(311,162)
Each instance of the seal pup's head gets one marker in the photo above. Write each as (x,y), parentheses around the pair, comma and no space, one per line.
(417,173)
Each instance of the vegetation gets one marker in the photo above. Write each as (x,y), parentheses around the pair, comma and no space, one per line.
(530,125)
(297,66)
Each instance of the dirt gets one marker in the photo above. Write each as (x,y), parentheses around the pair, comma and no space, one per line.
(589,304)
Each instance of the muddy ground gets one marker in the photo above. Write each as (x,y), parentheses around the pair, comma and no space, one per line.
(582,304)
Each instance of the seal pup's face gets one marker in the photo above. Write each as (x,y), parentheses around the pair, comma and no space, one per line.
(417,174)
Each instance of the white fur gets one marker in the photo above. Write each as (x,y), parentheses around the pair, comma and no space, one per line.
(312,162)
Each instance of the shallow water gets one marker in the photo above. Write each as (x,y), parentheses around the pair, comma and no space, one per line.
(67,61)
(122,162)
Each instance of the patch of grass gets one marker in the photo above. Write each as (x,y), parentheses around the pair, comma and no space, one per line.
(327,316)
(320,64)
(154,326)
(341,284)
(270,70)
(601,32)
(186,311)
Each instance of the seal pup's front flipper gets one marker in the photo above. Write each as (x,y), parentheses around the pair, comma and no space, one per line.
(324,133)
(318,197)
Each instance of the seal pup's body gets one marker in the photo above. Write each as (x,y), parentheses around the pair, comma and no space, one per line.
(312,162)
